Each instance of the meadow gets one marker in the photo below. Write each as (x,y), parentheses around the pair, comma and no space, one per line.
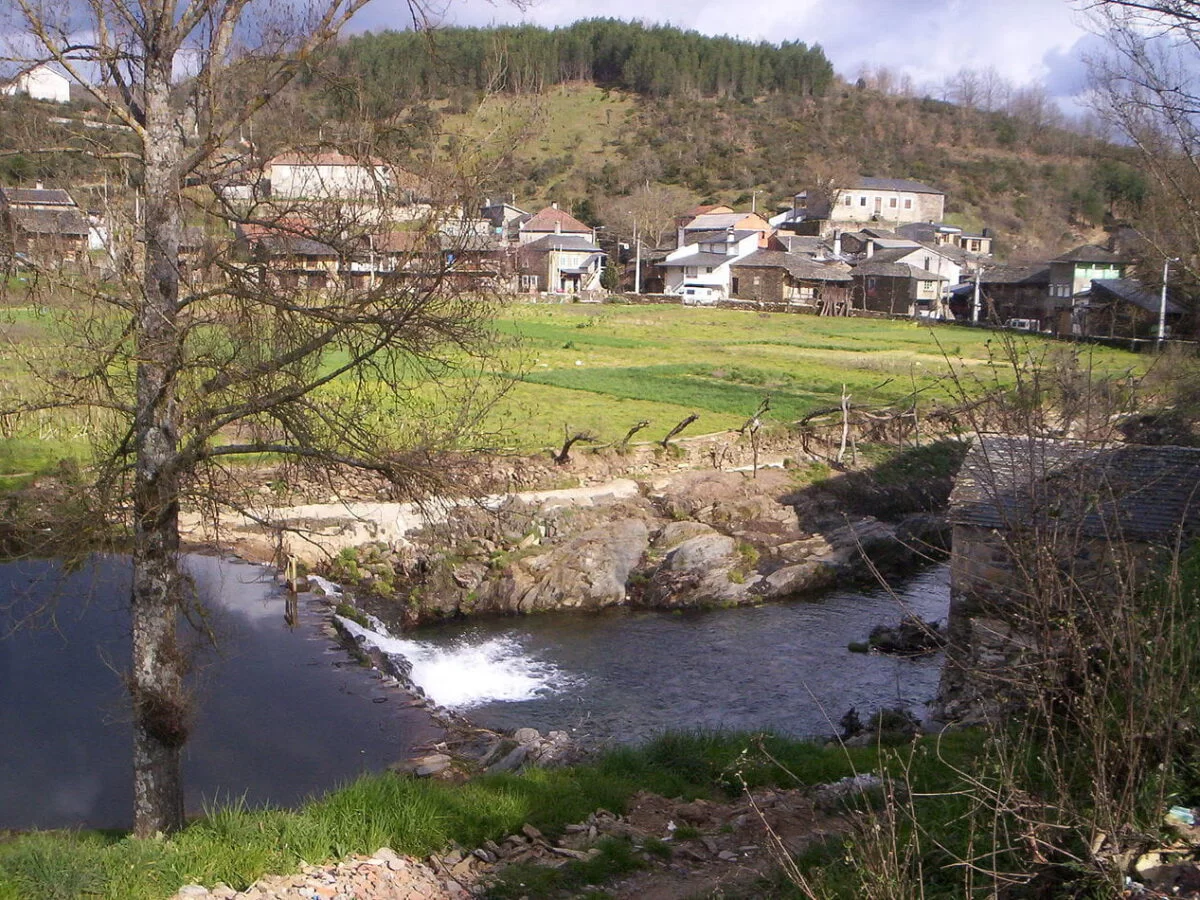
(601,368)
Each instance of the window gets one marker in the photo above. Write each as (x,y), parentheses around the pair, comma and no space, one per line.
(849,200)
(757,280)
(893,201)
(690,271)
(927,285)
(871,280)
(862,201)
(529,282)
(908,204)
(928,267)
(974,246)
(708,270)
(806,293)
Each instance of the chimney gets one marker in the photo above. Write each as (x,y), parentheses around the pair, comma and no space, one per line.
(39,186)
(870,248)
(554,205)
(837,241)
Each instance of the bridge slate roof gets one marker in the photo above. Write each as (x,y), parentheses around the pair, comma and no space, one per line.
(1123,491)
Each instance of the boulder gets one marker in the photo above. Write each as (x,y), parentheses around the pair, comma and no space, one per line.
(706,570)
(587,572)
(675,533)
(802,578)
(911,637)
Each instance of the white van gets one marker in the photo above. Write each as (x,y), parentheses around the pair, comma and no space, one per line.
(699,294)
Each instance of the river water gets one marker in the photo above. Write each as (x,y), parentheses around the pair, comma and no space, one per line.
(621,676)
(281,714)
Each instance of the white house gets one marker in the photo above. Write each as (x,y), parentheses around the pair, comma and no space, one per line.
(327,175)
(43,81)
(706,258)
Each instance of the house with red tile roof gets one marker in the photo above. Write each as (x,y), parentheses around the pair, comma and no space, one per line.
(548,221)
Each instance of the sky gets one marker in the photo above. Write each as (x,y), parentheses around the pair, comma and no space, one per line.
(1026,41)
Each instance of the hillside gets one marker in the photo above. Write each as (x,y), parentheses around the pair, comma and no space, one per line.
(721,121)
(587,115)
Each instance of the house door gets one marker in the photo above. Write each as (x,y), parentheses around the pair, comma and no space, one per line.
(878,205)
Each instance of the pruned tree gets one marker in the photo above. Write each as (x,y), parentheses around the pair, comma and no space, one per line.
(331,327)
(1146,85)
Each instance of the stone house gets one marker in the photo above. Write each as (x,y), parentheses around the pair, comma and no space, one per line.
(1005,292)
(885,201)
(560,264)
(773,276)
(43,225)
(884,284)
(1087,510)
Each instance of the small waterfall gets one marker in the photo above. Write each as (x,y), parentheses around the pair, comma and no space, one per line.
(463,674)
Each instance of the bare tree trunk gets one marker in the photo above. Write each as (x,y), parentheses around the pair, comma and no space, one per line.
(156,681)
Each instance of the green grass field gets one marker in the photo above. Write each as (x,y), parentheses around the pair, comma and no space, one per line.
(602,368)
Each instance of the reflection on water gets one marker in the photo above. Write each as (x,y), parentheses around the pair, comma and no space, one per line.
(280,714)
(623,675)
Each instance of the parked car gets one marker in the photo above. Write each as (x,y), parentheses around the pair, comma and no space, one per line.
(1023,324)
(699,294)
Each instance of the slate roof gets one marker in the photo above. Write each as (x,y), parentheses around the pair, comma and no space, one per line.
(797,266)
(802,243)
(1090,253)
(555,220)
(563,242)
(36,196)
(1036,275)
(720,221)
(700,259)
(894,184)
(1130,290)
(1130,491)
(49,221)
(295,245)
(886,269)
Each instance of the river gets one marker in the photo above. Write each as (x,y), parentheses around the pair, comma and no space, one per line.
(621,675)
(282,714)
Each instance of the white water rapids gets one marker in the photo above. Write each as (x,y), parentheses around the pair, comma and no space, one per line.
(462,674)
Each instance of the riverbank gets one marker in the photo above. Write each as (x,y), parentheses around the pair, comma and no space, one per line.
(425,819)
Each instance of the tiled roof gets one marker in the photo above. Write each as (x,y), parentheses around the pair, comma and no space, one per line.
(797,266)
(718,221)
(1127,491)
(555,220)
(37,196)
(1090,253)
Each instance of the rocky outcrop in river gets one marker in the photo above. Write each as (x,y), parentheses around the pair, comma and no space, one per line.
(694,539)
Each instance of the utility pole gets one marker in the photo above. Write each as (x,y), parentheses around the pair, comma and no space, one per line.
(975,301)
(637,262)
(1162,304)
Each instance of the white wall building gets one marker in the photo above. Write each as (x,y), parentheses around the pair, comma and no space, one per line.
(41,82)
(327,176)
(706,259)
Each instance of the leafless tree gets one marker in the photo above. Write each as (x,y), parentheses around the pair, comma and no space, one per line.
(196,351)
(1147,86)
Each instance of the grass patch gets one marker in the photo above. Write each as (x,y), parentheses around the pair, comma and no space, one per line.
(237,844)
